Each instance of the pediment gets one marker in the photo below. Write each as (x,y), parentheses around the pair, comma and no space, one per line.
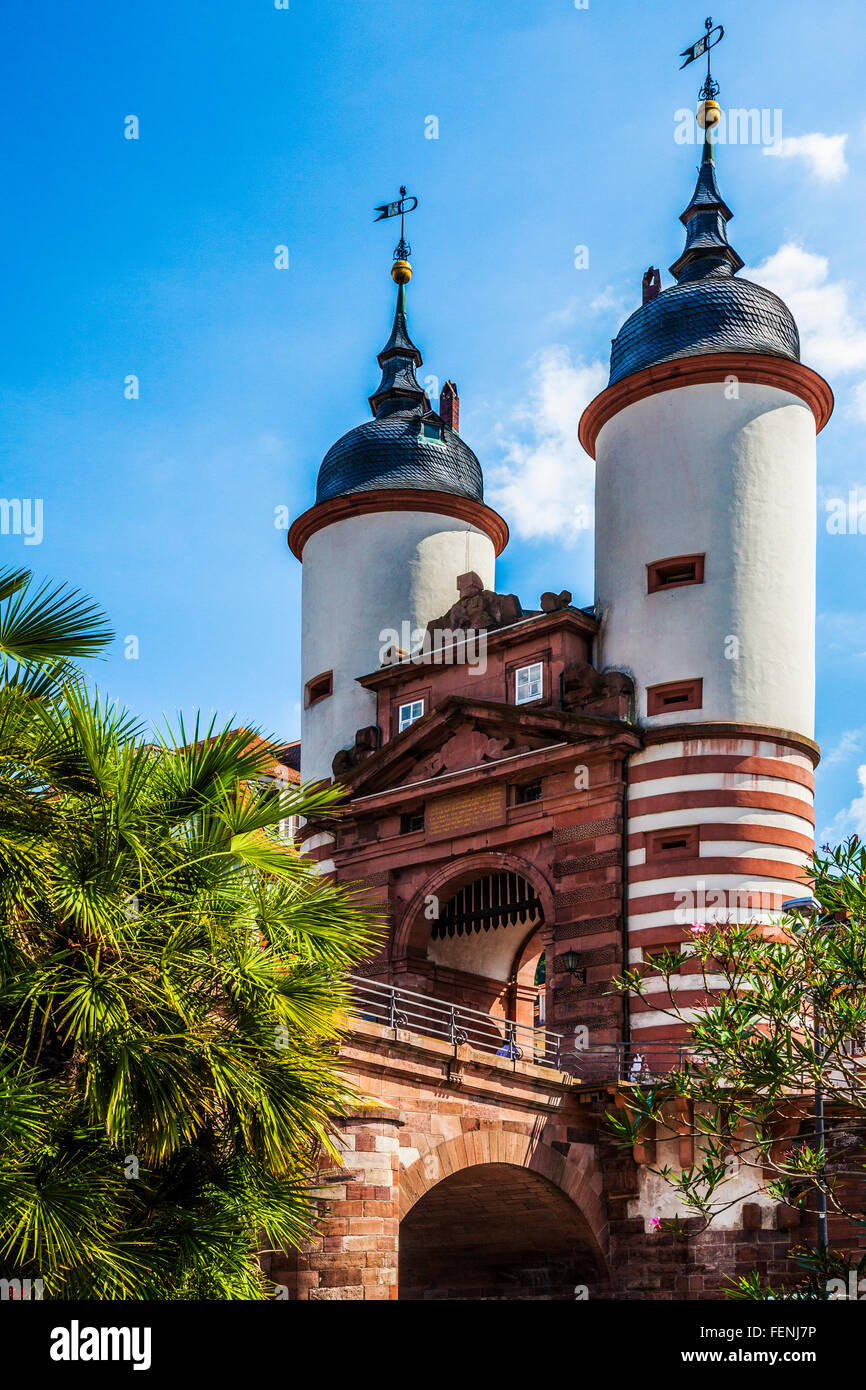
(460,733)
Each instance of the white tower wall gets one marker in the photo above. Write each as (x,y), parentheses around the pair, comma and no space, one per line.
(361,576)
(720,824)
(688,471)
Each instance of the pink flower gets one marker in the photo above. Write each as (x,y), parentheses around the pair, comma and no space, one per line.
(655,1224)
(697,927)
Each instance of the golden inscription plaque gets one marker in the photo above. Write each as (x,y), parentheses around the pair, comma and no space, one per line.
(465,812)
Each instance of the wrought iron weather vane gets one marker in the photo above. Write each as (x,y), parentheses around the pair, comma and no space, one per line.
(404,204)
(710,89)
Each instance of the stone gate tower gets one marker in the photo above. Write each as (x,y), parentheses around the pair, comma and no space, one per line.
(399,514)
(704,441)
(531,824)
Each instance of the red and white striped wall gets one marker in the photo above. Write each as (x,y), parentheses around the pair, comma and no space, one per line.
(719,828)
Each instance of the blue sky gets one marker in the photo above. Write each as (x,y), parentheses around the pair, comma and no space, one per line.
(262,127)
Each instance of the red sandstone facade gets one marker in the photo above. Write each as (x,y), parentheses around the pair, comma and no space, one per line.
(531,824)
(474,1175)
(461,773)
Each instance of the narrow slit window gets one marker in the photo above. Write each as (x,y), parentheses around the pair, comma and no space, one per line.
(675,572)
(681,842)
(320,688)
(653,954)
(674,696)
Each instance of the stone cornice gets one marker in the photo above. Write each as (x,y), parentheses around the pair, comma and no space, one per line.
(695,371)
(567,732)
(535,625)
(669,733)
(407,499)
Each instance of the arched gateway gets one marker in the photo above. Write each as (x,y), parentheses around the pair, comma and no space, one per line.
(503,1220)
(466,1176)
(539,798)
(474,935)
(471,1172)
(495,1232)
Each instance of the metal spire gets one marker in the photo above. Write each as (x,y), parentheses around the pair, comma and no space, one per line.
(707,250)
(402,251)
(710,89)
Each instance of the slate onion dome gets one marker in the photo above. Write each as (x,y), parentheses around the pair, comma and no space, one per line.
(406,444)
(399,516)
(704,442)
(709,309)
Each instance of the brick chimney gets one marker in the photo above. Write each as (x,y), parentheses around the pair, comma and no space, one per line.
(652,283)
(449,405)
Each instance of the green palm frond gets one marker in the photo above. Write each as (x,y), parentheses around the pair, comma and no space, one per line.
(199,764)
(49,624)
(172,983)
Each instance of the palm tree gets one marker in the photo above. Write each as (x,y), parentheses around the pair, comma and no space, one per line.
(172,984)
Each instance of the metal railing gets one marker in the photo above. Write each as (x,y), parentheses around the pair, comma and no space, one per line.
(457,1024)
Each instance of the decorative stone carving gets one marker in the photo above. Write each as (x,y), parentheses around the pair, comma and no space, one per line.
(651,285)
(496,748)
(347,759)
(608,695)
(477,608)
(431,767)
(443,759)
(554,603)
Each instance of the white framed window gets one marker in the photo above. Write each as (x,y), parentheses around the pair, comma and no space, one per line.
(289,828)
(528,683)
(407,714)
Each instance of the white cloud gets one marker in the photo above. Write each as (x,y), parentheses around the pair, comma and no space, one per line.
(617,304)
(272,445)
(852,741)
(824,154)
(857,404)
(851,820)
(832,333)
(841,636)
(545,483)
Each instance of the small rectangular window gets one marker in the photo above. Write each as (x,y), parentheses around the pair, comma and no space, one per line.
(681,842)
(528,683)
(319,688)
(675,572)
(408,713)
(526,793)
(431,431)
(409,824)
(289,828)
(652,954)
(674,696)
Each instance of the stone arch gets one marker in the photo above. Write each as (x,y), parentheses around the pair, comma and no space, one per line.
(578,1179)
(526,961)
(527,956)
(414,927)
(526,1214)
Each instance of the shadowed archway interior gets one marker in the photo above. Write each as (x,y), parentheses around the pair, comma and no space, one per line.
(484,925)
(499,1232)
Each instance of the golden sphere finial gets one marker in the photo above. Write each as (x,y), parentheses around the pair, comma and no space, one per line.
(401,272)
(709,114)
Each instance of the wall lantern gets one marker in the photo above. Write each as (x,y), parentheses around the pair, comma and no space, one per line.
(571,964)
